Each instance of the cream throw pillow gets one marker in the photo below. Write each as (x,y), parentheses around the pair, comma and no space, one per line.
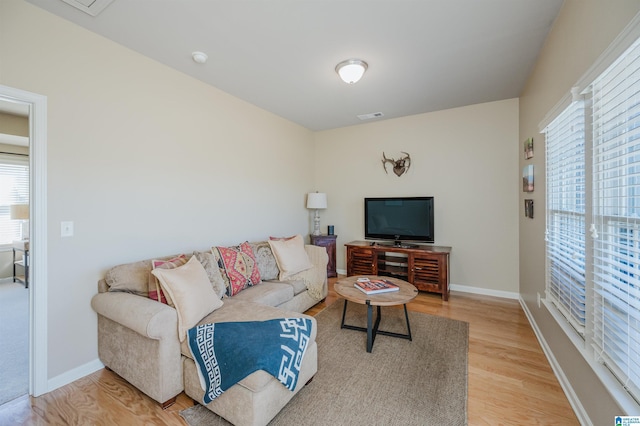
(191,292)
(291,256)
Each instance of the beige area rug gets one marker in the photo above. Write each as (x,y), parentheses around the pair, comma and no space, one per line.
(420,382)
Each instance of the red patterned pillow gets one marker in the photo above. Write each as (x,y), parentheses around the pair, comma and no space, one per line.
(155,290)
(238,267)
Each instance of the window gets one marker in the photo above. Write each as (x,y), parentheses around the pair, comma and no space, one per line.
(595,284)
(14,189)
(616,214)
(565,243)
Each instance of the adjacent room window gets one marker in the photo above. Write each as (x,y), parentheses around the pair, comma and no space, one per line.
(14,189)
(603,305)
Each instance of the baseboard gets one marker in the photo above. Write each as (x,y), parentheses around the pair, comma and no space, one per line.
(484,291)
(574,401)
(73,375)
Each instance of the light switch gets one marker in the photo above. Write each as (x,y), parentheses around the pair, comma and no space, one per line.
(66,229)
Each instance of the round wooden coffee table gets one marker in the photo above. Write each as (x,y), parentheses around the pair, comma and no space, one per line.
(407,292)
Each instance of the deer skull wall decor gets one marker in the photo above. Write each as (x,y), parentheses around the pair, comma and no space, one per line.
(399,166)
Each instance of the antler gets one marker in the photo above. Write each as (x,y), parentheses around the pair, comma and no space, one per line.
(399,166)
(406,160)
(386,160)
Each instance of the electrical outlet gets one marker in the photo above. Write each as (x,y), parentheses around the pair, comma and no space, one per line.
(538,300)
(66,229)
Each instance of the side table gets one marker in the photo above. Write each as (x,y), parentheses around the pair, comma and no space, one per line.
(23,248)
(329,242)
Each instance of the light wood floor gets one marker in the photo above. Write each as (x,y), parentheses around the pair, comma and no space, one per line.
(510,380)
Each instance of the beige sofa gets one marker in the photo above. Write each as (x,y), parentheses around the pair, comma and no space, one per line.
(138,337)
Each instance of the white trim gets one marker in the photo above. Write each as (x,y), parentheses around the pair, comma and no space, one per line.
(577,406)
(38,337)
(622,42)
(555,111)
(75,374)
(485,291)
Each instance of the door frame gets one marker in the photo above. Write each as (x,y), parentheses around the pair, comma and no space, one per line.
(38,341)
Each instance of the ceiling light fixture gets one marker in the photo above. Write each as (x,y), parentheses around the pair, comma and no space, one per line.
(199,57)
(351,70)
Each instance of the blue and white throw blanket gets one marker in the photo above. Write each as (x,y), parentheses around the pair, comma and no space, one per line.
(227,352)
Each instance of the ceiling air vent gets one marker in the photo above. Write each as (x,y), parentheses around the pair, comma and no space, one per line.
(370,116)
(91,7)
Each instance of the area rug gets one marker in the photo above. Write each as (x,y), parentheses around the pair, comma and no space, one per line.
(419,382)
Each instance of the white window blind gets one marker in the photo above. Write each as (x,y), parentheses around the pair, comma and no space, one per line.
(565,243)
(14,189)
(616,209)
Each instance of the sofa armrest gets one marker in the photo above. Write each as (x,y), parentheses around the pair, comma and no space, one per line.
(318,256)
(144,316)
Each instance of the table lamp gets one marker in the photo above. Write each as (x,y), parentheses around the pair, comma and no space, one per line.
(316,201)
(21,212)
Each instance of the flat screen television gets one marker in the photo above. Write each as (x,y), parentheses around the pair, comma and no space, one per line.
(399,219)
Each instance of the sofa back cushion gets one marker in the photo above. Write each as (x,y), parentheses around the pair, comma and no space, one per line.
(131,277)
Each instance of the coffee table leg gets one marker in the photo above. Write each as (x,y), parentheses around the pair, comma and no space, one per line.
(344,312)
(406,315)
(369,327)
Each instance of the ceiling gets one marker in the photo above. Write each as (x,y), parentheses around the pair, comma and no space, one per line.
(280,55)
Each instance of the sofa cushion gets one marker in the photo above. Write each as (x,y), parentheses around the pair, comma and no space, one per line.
(155,289)
(210,264)
(237,266)
(266,261)
(271,293)
(298,285)
(191,292)
(290,256)
(131,277)
(242,310)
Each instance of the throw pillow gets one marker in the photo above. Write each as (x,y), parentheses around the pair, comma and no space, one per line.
(282,238)
(238,267)
(210,264)
(290,256)
(190,289)
(155,290)
(266,261)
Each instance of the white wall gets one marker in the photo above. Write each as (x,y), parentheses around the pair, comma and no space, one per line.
(145,161)
(581,32)
(465,157)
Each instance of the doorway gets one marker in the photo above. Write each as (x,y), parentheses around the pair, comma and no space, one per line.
(14,251)
(36,109)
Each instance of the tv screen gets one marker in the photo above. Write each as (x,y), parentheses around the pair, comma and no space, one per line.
(399,218)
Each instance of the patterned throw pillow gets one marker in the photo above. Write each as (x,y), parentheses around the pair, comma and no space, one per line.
(238,267)
(155,290)
(266,261)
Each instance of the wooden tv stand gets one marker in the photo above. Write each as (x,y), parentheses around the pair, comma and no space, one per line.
(424,266)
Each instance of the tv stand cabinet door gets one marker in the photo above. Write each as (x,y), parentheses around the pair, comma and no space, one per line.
(430,272)
(361,261)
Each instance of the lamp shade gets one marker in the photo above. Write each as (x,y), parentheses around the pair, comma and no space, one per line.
(316,200)
(20,211)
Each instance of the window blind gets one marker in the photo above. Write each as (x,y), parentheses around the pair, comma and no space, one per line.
(616,210)
(565,243)
(14,189)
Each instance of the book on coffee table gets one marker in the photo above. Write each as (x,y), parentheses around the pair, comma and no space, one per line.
(376,286)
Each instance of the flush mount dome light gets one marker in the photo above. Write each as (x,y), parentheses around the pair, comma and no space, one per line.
(199,57)
(351,70)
